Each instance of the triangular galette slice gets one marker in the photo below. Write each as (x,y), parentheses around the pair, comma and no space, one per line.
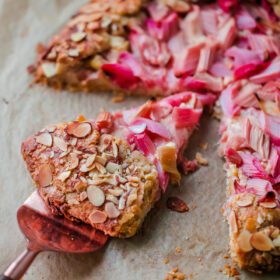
(109,172)
(251,145)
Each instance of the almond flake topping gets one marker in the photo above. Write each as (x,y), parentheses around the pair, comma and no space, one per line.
(74,161)
(261,242)
(64,175)
(111,210)
(60,143)
(78,36)
(45,139)
(244,241)
(97,217)
(122,202)
(112,198)
(233,222)
(95,195)
(78,129)
(245,200)
(44,176)
(49,69)
(269,205)
(113,167)
(73,52)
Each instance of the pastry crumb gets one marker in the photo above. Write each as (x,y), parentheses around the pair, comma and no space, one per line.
(204,146)
(201,160)
(220,270)
(118,98)
(194,206)
(5,101)
(165,261)
(226,256)
(178,249)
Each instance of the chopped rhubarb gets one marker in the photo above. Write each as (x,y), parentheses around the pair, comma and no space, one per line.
(227,34)
(207,54)
(186,117)
(186,61)
(152,127)
(219,69)
(233,157)
(212,83)
(272,72)
(259,187)
(167,157)
(145,144)
(121,75)
(192,26)
(163,176)
(194,84)
(228,6)
(271,126)
(157,10)
(245,20)
(209,20)
(163,29)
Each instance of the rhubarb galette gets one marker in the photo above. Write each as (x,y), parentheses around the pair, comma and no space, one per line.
(156,47)
(251,145)
(109,172)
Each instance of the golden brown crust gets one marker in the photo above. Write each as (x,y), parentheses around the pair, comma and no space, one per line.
(91,177)
(254,229)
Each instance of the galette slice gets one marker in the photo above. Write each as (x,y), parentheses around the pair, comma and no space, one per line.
(109,172)
(251,145)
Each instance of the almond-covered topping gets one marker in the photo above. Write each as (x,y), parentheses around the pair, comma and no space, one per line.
(60,143)
(233,222)
(49,69)
(45,139)
(261,242)
(111,210)
(244,241)
(100,160)
(95,195)
(276,241)
(78,36)
(97,217)
(113,167)
(74,161)
(73,52)
(64,175)
(269,205)
(245,200)
(44,175)
(79,129)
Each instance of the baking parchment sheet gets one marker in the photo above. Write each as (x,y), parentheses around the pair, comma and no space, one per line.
(25,110)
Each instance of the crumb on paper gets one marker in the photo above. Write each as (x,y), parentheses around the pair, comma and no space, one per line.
(226,256)
(231,270)
(178,249)
(176,204)
(165,261)
(187,238)
(220,270)
(175,274)
(194,206)
(118,98)
(190,276)
(204,146)
(201,160)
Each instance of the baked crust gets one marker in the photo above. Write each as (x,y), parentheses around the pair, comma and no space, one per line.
(91,177)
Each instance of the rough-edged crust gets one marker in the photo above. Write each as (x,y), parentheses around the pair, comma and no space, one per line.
(251,219)
(66,159)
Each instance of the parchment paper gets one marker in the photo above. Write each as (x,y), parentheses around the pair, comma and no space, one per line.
(24,111)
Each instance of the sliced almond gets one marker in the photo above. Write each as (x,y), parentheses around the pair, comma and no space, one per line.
(95,195)
(111,210)
(74,161)
(233,222)
(97,217)
(79,129)
(113,167)
(269,205)
(276,241)
(49,69)
(244,241)
(122,203)
(73,52)
(101,160)
(245,200)
(261,241)
(64,175)
(45,139)
(100,168)
(112,198)
(115,149)
(60,143)
(90,160)
(44,175)
(116,192)
(132,197)
(78,36)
